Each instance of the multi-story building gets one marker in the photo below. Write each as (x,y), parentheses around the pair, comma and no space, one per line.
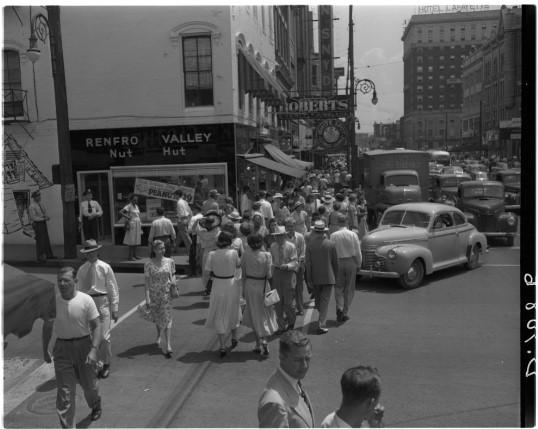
(434,48)
(387,134)
(492,90)
(159,98)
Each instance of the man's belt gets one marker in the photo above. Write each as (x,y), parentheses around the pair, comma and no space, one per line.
(97,295)
(221,277)
(255,278)
(73,339)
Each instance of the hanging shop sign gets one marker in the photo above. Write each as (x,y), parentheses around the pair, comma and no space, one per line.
(331,133)
(315,108)
(160,190)
(326,55)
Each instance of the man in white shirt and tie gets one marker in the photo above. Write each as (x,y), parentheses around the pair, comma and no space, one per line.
(96,278)
(90,212)
(348,251)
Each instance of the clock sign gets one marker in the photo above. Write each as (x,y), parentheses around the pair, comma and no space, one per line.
(330,132)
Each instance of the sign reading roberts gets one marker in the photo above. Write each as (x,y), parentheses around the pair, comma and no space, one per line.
(316,108)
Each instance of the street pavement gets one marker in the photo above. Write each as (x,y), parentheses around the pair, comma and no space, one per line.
(447,352)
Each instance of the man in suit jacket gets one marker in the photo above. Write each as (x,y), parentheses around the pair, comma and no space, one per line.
(321,266)
(284,403)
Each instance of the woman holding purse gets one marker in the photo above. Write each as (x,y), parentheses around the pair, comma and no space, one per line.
(256,266)
(160,286)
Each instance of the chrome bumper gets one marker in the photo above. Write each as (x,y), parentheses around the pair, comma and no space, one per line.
(500,234)
(385,274)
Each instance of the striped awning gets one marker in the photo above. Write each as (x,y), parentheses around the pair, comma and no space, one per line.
(255,80)
(264,162)
(284,158)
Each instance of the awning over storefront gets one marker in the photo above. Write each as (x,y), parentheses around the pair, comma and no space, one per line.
(284,158)
(276,166)
(256,80)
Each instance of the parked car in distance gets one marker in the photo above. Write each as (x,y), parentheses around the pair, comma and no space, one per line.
(452,170)
(444,187)
(483,205)
(473,168)
(479,175)
(511,179)
(416,239)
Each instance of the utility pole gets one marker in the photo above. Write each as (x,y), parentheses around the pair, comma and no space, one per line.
(64,143)
(351,117)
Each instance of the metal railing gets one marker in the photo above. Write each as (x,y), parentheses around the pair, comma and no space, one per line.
(14,105)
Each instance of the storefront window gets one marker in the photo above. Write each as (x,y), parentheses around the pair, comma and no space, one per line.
(155,187)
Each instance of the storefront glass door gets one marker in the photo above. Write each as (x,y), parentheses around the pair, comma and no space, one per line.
(98,182)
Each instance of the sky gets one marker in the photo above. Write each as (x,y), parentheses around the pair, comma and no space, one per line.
(378,56)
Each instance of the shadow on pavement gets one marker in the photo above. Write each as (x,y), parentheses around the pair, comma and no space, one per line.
(85,422)
(193,293)
(47,386)
(213,356)
(146,349)
(193,306)
(378,285)
(200,322)
(138,285)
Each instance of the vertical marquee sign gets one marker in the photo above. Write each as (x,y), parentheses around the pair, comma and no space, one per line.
(326,54)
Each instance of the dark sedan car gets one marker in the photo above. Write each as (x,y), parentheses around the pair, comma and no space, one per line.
(511,179)
(483,205)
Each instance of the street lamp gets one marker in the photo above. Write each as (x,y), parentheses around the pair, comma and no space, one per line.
(40,28)
(366,86)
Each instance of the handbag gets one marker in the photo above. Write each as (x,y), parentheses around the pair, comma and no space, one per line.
(126,225)
(271,297)
(174,289)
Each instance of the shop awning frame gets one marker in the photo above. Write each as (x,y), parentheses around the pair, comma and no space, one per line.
(284,158)
(264,162)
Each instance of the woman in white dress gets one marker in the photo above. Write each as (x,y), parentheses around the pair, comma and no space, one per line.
(133,226)
(224,312)
(256,265)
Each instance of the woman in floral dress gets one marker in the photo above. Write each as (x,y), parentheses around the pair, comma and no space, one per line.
(159,274)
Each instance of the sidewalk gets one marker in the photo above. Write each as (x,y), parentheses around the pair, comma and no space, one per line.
(23,255)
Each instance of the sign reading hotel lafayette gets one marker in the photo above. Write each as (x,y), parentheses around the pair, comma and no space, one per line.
(433,9)
(315,108)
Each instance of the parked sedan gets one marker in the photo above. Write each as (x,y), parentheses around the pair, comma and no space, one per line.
(415,239)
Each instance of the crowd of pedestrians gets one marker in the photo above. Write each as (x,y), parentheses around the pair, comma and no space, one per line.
(296,245)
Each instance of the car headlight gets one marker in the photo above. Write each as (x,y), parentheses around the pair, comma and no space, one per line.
(511,220)
(391,254)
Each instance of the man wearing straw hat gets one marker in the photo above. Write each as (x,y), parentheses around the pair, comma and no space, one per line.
(284,256)
(96,278)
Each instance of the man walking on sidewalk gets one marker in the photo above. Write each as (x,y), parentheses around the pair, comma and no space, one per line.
(321,267)
(284,255)
(162,229)
(184,213)
(78,333)
(284,402)
(96,278)
(297,239)
(348,249)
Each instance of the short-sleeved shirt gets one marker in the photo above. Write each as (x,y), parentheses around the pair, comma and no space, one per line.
(73,317)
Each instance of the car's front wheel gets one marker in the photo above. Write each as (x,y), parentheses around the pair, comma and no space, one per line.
(414,275)
(473,259)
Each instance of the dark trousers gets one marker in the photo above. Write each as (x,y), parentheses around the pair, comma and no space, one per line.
(192,254)
(90,227)
(299,287)
(42,242)
(70,367)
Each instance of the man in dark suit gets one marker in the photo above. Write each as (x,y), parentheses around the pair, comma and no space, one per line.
(321,266)
(284,403)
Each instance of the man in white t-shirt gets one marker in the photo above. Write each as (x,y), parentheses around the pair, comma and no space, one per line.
(78,337)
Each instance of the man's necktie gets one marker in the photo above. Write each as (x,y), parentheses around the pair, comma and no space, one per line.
(91,277)
(89,207)
(303,394)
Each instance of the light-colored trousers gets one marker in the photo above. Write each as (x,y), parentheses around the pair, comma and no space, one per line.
(103,306)
(284,283)
(344,290)
(70,367)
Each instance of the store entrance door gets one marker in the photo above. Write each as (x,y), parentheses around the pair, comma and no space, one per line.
(99,183)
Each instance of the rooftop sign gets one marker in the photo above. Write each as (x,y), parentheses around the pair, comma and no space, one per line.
(315,108)
(438,8)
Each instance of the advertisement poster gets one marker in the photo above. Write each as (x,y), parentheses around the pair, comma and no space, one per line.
(164,191)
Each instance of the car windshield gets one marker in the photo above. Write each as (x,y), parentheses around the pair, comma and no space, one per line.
(402,180)
(447,182)
(511,178)
(406,218)
(483,192)
(453,170)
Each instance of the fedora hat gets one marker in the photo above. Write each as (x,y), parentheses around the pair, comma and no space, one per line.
(235,216)
(280,230)
(278,195)
(212,219)
(320,226)
(90,246)
(298,204)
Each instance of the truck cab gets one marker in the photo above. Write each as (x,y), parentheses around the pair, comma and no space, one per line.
(398,187)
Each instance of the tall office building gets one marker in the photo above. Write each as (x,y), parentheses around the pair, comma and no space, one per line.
(435,46)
